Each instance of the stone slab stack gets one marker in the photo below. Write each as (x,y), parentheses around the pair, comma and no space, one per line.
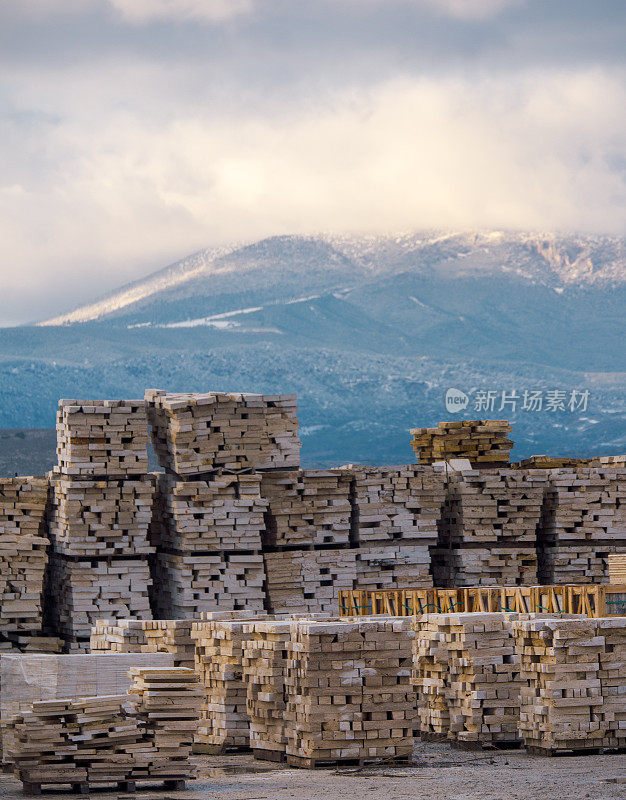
(431,677)
(488,533)
(194,434)
(207,535)
(561,693)
(265,651)
(145,636)
(348,691)
(396,512)
(617,568)
(99,518)
(584,520)
(307,539)
(23,556)
(484,442)
(612,675)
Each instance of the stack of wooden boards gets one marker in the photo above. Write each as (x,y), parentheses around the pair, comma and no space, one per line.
(23,554)
(94,741)
(100,515)
(209,512)
(553,682)
(194,434)
(31,677)
(484,442)
(207,535)
(145,636)
(396,510)
(489,528)
(583,521)
(573,677)
(617,568)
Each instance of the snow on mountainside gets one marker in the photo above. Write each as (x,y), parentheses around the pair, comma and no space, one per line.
(286,268)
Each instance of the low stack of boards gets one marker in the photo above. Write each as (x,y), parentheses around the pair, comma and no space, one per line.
(396,511)
(195,434)
(32,677)
(145,636)
(100,516)
(207,535)
(484,442)
(348,691)
(89,742)
(489,528)
(583,521)
(23,555)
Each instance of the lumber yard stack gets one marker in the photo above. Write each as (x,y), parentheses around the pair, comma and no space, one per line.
(23,558)
(194,434)
(99,519)
(489,528)
(484,442)
(348,691)
(617,568)
(207,535)
(306,543)
(145,636)
(396,514)
(209,509)
(583,521)
(89,742)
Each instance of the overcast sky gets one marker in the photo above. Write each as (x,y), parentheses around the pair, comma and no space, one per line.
(133,132)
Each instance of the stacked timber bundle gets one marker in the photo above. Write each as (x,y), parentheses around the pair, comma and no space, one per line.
(610,461)
(308,581)
(551,462)
(396,511)
(93,518)
(23,553)
(223,513)
(81,592)
(617,568)
(195,434)
(187,585)
(561,694)
(584,520)
(613,679)
(307,507)
(145,636)
(224,721)
(100,516)
(485,681)
(348,691)
(102,437)
(265,650)
(484,442)
(166,704)
(489,528)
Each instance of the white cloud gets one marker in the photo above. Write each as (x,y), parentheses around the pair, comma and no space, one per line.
(108,187)
(471,9)
(139,11)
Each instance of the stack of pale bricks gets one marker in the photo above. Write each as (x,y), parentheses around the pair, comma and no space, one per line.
(583,521)
(484,443)
(489,528)
(209,512)
(99,518)
(145,636)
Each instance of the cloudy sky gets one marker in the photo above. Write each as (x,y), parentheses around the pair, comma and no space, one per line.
(133,132)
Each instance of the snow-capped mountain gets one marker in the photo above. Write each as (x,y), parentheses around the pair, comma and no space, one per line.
(369,331)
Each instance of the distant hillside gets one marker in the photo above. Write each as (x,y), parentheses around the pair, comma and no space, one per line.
(370,332)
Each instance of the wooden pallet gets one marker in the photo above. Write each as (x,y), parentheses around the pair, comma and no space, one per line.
(84,788)
(302,762)
(268,755)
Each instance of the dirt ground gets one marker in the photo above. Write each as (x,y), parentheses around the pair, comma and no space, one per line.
(438,773)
